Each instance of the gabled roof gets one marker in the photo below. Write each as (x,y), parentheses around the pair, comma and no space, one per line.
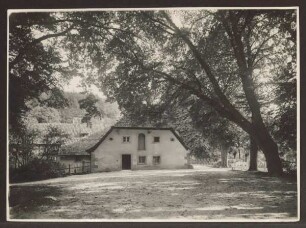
(137,127)
(85,145)
(73,130)
(126,121)
(80,145)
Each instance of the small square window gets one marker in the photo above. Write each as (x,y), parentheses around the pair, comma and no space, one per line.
(156,160)
(142,160)
(156,139)
(126,139)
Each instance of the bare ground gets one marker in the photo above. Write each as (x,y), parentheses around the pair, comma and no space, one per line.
(198,194)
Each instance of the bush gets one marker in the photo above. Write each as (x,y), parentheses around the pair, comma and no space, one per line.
(37,170)
(216,164)
(289,167)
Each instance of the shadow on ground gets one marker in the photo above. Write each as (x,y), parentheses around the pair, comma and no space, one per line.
(177,194)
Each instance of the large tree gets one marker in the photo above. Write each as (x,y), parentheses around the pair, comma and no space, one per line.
(154,56)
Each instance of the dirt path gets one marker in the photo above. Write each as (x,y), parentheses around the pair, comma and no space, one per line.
(198,194)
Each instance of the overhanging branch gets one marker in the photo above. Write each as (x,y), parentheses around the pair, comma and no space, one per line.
(36,41)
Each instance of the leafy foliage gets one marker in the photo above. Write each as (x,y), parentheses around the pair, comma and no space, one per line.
(32,64)
(90,105)
(36,169)
(44,114)
(53,140)
(55,98)
(21,145)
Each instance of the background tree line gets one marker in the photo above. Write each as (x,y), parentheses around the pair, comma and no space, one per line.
(48,109)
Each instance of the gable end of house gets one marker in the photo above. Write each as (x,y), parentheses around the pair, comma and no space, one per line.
(141,128)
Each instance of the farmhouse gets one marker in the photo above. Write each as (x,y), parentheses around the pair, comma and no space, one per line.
(133,147)
(138,148)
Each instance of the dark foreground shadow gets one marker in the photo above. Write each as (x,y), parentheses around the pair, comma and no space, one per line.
(198,196)
(29,200)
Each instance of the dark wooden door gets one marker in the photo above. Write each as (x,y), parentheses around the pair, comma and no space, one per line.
(126,161)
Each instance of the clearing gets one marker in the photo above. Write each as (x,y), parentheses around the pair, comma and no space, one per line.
(195,194)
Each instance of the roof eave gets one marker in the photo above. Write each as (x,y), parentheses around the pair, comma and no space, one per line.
(91,149)
(146,128)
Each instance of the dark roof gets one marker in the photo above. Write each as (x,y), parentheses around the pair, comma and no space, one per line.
(71,129)
(83,146)
(137,127)
(126,121)
(68,128)
(80,145)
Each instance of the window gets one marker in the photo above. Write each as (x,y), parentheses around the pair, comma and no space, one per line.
(156,160)
(141,141)
(142,160)
(156,139)
(126,139)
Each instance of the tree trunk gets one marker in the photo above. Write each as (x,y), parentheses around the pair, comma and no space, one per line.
(253,155)
(272,158)
(223,157)
(256,129)
(270,150)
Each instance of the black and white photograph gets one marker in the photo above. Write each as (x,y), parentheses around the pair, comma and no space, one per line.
(153,114)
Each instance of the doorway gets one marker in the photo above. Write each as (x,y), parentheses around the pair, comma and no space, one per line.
(126,161)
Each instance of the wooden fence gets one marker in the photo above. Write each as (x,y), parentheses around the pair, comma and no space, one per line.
(78,168)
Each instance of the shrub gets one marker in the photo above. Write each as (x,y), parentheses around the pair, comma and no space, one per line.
(289,167)
(37,170)
(216,164)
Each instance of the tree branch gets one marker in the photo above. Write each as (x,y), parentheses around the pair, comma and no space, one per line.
(36,41)
(238,119)
(260,46)
(231,112)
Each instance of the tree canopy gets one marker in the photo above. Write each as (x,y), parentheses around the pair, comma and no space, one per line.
(33,63)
